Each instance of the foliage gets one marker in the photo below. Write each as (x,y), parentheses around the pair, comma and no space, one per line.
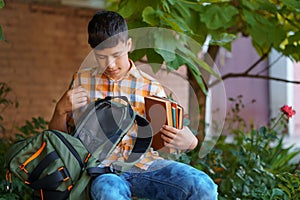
(33,127)
(20,190)
(211,24)
(5,102)
(252,164)
(233,120)
(271,24)
(1,32)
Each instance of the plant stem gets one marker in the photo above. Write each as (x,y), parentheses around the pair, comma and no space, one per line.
(275,124)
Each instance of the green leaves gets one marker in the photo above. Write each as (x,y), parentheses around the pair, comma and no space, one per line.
(150,16)
(154,59)
(253,164)
(290,47)
(270,24)
(33,127)
(2,4)
(293,4)
(266,34)
(5,102)
(216,17)
(223,39)
(1,35)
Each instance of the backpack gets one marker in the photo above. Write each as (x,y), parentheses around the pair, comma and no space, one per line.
(52,163)
(103,125)
(60,165)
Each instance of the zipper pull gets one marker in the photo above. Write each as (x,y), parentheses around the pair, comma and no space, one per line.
(8,178)
(86,161)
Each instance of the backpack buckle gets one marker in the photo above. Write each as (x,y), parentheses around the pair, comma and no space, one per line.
(111,168)
(64,173)
(115,169)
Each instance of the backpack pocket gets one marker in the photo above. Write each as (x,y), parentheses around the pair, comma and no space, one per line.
(42,168)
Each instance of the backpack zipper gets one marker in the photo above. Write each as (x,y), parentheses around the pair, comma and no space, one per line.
(31,158)
(8,175)
(8,178)
(11,157)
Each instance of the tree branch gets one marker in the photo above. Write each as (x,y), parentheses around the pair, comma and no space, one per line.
(256,63)
(244,75)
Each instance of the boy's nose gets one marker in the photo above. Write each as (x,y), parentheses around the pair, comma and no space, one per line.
(111,62)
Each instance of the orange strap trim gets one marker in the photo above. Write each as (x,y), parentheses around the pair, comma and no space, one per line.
(87,158)
(70,187)
(34,156)
(8,176)
(42,194)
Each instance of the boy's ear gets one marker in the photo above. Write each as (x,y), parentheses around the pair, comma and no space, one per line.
(129,45)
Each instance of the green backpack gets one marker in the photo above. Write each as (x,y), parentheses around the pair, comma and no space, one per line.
(60,166)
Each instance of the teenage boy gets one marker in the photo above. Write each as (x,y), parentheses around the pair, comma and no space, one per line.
(153,177)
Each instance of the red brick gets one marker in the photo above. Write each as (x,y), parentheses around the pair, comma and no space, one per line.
(46,44)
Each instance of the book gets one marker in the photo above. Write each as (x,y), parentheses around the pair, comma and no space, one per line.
(180,116)
(160,111)
(174,114)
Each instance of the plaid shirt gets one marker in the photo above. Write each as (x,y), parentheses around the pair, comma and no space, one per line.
(135,85)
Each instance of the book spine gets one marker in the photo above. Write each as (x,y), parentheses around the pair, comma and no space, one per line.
(174,114)
(174,118)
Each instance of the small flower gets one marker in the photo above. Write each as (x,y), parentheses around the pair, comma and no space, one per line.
(288,111)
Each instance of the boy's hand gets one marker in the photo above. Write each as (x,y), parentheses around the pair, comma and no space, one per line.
(182,139)
(72,100)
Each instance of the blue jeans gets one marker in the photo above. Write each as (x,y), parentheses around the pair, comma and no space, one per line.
(165,179)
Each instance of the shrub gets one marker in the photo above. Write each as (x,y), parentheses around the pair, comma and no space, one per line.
(255,164)
(20,190)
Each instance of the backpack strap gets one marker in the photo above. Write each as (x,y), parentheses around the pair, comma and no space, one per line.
(144,139)
(141,146)
(51,181)
(57,195)
(36,172)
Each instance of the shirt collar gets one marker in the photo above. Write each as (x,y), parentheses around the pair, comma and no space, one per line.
(133,72)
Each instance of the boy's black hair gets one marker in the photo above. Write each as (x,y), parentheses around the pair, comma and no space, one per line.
(103,26)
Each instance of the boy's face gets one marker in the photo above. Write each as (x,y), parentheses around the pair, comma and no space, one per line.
(114,59)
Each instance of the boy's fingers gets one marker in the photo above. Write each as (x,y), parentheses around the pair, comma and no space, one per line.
(166,138)
(168,133)
(170,129)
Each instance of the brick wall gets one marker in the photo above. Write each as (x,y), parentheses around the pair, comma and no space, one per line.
(45,45)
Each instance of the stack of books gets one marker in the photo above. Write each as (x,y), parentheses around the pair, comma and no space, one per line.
(160,111)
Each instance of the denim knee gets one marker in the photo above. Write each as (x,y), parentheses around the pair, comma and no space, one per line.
(196,184)
(110,186)
(203,187)
(183,180)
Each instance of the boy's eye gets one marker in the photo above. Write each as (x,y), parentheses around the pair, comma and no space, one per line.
(100,57)
(117,55)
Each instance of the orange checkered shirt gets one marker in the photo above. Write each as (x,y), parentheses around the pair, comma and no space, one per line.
(135,85)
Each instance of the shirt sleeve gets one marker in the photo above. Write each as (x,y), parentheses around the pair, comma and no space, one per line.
(159,90)
(70,120)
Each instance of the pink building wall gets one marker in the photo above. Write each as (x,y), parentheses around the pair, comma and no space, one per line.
(242,56)
(297,99)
